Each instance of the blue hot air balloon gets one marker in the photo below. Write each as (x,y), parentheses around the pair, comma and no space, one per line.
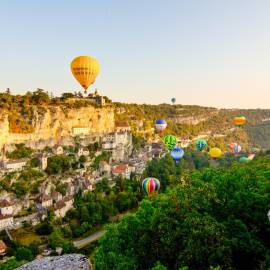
(160,124)
(177,153)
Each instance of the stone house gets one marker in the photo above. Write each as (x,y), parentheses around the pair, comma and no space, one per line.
(82,152)
(80,130)
(123,169)
(104,168)
(45,200)
(6,208)
(56,196)
(43,161)
(86,186)
(6,221)
(58,150)
(63,206)
(122,127)
(15,165)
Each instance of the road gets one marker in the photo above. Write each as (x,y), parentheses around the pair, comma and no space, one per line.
(88,240)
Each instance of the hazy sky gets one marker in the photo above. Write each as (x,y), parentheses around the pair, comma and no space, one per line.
(200,51)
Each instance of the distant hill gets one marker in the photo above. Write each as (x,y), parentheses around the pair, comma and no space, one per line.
(189,122)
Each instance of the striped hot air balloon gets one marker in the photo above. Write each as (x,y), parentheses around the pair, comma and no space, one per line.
(160,124)
(239,120)
(232,145)
(237,148)
(170,142)
(150,185)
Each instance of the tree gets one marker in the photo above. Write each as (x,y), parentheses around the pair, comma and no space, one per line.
(23,253)
(216,220)
(21,151)
(34,162)
(40,97)
(82,159)
(44,228)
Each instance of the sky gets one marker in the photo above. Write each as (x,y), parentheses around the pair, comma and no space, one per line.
(204,52)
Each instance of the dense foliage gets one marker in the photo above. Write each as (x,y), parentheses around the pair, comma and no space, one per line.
(21,151)
(214,217)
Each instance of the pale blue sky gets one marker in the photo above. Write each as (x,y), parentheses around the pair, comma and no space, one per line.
(206,52)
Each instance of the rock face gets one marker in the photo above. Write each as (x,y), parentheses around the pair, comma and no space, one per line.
(66,262)
(52,123)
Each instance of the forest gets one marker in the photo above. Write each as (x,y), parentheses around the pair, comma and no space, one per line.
(213,218)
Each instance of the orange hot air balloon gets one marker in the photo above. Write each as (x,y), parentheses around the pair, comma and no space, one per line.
(85,70)
(239,120)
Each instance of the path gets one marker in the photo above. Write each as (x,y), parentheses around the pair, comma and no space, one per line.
(88,240)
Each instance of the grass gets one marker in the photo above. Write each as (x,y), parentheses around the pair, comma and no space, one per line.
(26,236)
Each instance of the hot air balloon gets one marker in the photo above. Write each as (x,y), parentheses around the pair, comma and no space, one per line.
(173,100)
(200,144)
(177,153)
(160,124)
(237,148)
(239,120)
(244,160)
(215,152)
(232,145)
(150,185)
(170,141)
(85,70)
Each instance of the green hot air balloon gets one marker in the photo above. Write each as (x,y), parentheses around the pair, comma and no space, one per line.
(170,142)
(244,160)
(200,144)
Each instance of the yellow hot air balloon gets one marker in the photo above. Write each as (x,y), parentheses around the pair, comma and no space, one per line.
(215,152)
(85,70)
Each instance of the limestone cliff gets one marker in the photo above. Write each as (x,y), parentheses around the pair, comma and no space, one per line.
(52,123)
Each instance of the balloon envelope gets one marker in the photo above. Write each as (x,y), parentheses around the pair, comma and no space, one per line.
(85,70)
(200,144)
(239,120)
(244,160)
(177,153)
(160,124)
(232,145)
(173,100)
(215,152)
(237,148)
(150,185)
(170,141)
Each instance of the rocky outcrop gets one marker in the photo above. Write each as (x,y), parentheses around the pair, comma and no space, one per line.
(52,123)
(66,262)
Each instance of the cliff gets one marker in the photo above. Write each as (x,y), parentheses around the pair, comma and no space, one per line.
(52,123)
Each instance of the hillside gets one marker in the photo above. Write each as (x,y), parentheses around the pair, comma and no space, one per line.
(188,122)
(42,119)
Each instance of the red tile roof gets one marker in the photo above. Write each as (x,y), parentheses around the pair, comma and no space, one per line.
(59,205)
(4,203)
(122,124)
(120,168)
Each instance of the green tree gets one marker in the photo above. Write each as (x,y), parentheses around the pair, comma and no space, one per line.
(23,253)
